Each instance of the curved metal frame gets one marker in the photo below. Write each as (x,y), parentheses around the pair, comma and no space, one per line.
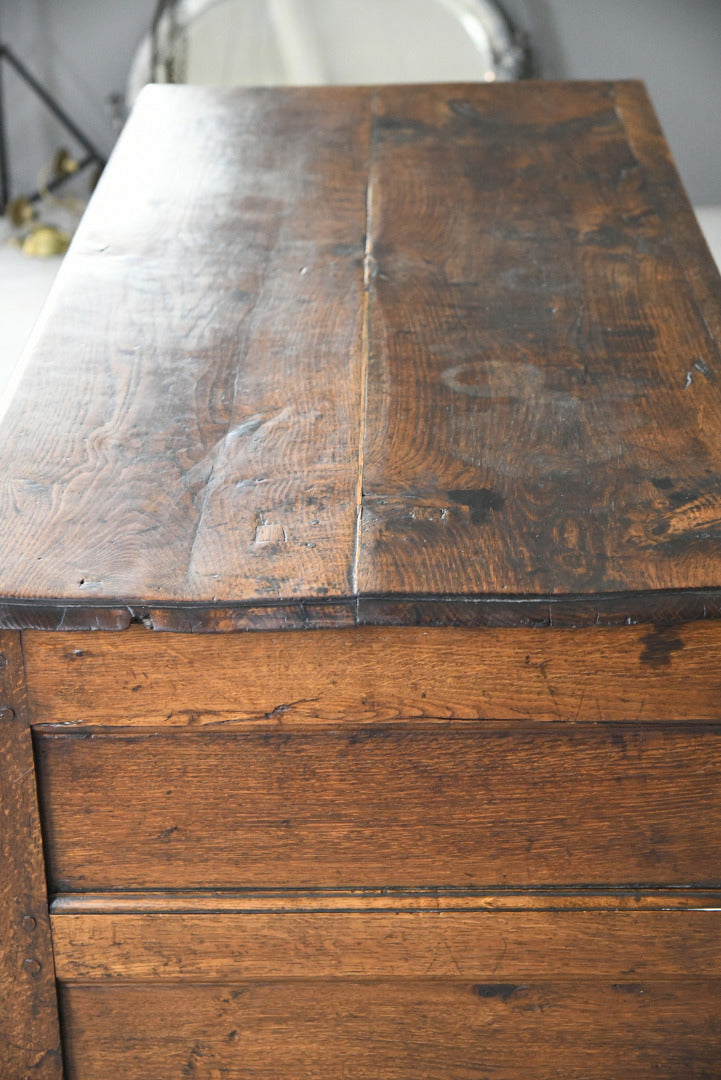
(478,17)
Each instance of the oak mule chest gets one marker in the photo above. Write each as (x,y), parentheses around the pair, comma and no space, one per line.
(360,594)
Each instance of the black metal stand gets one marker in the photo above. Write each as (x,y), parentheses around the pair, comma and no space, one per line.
(92,154)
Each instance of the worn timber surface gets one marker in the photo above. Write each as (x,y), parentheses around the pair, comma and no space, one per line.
(29,1030)
(442,1029)
(488,804)
(396,355)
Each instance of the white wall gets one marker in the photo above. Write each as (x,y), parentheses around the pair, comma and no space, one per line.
(82,49)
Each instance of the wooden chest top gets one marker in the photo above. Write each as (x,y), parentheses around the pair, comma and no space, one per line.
(443,355)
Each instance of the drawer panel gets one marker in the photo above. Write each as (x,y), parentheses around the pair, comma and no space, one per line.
(369,674)
(394,1030)
(331,986)
(487,803)
(487,945)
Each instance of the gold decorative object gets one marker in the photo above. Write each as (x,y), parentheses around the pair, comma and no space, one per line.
(45,241)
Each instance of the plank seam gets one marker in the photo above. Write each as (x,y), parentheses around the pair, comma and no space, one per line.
(365,344)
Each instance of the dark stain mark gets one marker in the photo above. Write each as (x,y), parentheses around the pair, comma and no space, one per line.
(402,129)
(659,645)
(504,991)
(618,740)
(196,1053)
(577,126)
(480,502)
(646,247)
(679,497)
(166,834)
(683,497)
(465,111)
(134,689)
(606,236)
(628,988)
(499,127)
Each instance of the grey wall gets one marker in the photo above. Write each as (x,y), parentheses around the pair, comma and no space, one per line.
(81,49)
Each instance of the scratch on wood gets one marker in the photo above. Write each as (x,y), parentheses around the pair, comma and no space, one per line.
(544,674)
(286,707)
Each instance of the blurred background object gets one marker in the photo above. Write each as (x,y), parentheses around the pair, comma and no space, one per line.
(83,51)
(326,42)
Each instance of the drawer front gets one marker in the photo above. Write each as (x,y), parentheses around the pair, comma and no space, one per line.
(356,1030)
(635,674)
(486,803)
(455,993)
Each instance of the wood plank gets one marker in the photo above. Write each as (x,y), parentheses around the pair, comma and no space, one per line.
(486,804)
(210,330)
(543,387)
(438,1030)
(371,675)
(303,901)
(204,337)
(492,945)
(29,1033)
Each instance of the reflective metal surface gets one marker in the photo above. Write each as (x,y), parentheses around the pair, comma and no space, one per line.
(319,42)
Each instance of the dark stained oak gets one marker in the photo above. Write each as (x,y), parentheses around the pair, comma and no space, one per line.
(189,420)
(472,944)
(226,948)
(542,384)
(438,1029)
(29,1032)
(370,675)
(419,388)
(485,804)
(374,901)
(359,355)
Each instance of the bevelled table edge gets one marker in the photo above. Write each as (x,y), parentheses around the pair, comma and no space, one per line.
(658,608)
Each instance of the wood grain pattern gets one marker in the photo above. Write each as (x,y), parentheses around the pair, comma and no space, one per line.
(372,901)
(440,1030)
(371,675)
(207,447)
(542,384)
(493,945)
(486,804)
(29,1032)
(537,316)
